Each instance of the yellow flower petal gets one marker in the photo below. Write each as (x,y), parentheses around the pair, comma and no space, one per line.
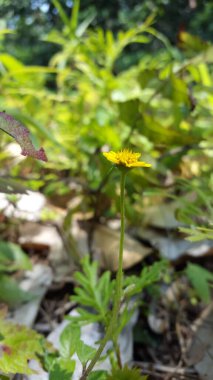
(125,158)
(141,164)
(111,156)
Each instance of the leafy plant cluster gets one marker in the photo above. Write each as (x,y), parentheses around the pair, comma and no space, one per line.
(94,296)
(80,103)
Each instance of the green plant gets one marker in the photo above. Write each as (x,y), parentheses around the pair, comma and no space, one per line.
(201,280)
(124,161)
(61,363)
(94,295)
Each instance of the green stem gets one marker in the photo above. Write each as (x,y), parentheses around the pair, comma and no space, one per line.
(112,328)
(117,352)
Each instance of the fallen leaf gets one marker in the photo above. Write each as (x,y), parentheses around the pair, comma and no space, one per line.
(200,348)
(105,245)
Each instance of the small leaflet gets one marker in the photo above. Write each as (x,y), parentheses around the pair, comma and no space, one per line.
(21,134)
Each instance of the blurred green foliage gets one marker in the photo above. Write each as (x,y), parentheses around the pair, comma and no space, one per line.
(81,103)
(201,279)
(33,19)
(12,258)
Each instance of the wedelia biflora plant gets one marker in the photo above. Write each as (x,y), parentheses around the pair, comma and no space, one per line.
(91,291)
(124,160)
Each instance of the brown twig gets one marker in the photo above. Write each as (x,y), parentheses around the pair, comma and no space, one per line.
(155,368)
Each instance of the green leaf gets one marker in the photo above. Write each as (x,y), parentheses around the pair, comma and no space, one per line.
(155,130)
(11,293)
(126,373)
(92,292)
(70,343)
(179,90)
(62,13)
(59,373)
(20,344)
(98,375)
(197,234)
(84,317)
(129,111)
(148,276)
(74,17)
(67,364)
(190,42)
(69,340)
(11,63)
(82,27)
(85,352)
(12,257)
(200,278)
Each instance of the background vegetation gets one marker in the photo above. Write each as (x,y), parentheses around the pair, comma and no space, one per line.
(132,87)
(94,76)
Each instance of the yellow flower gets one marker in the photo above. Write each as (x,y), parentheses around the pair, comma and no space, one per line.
(126,158)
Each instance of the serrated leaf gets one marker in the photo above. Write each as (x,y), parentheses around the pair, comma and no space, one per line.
(67,364)
(69,340)
(70,343)
(20,344)
(85,352)
(92,292)
(59,373)
(21,134)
